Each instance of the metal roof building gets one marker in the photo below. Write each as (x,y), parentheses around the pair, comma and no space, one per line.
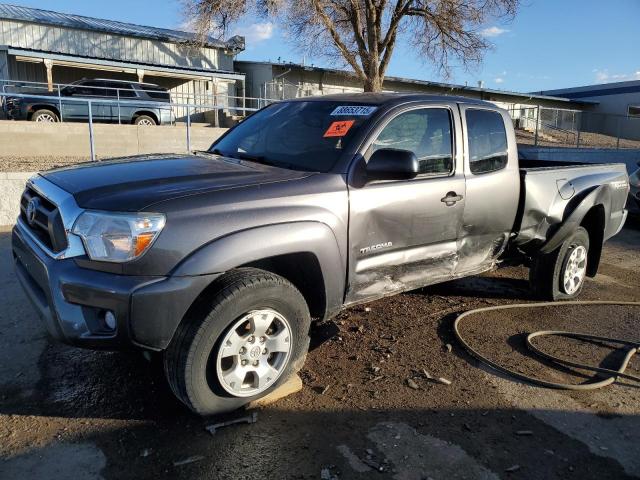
(289,80)
(46,46)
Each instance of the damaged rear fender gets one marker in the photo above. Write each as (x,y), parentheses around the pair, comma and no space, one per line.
(598,197)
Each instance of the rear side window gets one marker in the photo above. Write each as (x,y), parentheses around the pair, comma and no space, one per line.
(425,132)
(119,89)
(155,91)
(487,141)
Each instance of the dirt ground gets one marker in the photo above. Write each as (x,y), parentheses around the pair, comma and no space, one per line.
(69,413)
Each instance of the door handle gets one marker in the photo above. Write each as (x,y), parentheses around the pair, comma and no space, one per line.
(451,198)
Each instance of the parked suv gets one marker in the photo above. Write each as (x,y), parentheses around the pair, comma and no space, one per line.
(113,101)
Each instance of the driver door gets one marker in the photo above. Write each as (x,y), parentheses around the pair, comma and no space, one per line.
(403,234)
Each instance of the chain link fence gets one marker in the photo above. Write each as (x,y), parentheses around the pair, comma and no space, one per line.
(572,128)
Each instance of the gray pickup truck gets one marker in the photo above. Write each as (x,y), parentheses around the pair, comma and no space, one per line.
(221,259)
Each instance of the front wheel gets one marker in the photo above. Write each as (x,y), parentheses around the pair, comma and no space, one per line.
(44,116)
(560,275)
(145,121)
(249,339)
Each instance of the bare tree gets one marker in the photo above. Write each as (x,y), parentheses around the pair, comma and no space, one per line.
(364,33)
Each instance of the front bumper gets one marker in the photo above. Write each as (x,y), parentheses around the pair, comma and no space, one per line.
(72,300)
(17,112)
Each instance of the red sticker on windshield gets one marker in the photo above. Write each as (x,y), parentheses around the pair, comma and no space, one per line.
(338,129)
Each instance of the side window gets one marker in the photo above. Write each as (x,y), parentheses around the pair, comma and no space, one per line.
(427,133)
(91,88)
(487,141)
(123,89)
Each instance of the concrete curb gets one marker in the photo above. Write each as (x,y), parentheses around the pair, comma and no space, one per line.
(11,188)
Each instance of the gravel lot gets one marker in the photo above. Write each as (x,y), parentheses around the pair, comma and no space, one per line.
(69,413)
(35,164)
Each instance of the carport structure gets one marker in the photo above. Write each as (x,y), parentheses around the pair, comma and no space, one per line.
(52,48)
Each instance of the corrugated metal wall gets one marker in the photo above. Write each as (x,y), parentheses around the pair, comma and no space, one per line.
(110,46)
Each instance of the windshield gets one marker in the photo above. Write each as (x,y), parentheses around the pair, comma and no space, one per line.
(298,135)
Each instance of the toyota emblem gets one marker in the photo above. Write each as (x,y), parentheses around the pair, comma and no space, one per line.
(32,208)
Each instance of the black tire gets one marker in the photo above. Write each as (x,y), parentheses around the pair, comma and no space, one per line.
(189,361)
(45,116)
(145,120)
(547,271)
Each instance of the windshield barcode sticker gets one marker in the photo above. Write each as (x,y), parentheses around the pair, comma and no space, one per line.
(353,111)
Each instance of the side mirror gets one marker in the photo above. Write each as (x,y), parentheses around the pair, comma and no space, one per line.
(392,164)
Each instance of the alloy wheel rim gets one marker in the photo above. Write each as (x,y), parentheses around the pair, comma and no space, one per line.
(253,353)
(145,122)
(575,270)
(45,118)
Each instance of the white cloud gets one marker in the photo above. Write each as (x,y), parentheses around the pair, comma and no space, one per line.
(498,80)
(493,31)
(603,76)
(256,32)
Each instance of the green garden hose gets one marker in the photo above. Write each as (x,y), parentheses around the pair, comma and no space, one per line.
(631,348)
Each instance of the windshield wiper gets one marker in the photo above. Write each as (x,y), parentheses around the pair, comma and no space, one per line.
(248,156)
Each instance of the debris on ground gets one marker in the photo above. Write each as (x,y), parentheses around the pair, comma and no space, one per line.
(412,384)
(512,469)
(524,433)
(186,461)
(448,347)
(443,381)
(325,389)
(146,452)
(427,375)
(253,418)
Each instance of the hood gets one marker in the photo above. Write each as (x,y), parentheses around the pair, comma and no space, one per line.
(135,184)
(35,92)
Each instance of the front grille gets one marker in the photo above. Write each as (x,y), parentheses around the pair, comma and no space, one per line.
(45,221)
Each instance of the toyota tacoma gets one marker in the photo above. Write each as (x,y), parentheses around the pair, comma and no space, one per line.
(220,260)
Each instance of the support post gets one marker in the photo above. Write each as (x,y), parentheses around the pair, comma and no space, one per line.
(535,141)
(188,129)
(60,103)
(48,64)
(619,133)
(118,94)
(140,72)
(91,142)
(244,97)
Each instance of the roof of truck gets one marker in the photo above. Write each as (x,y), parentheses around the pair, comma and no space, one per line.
(388,98)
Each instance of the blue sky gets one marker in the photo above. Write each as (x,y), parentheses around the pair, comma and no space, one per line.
(550,44)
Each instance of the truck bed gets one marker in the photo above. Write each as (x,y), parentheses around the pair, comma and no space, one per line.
(549,190)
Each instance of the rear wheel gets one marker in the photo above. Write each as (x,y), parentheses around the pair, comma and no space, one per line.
(44,116)
(560,275)
(249,339)
(145,121)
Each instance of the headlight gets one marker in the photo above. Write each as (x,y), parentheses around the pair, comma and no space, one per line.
(117,237)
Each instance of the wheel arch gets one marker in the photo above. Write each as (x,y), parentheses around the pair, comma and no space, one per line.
(305,253)
(590,211)
(149,113)
(43,106)
(594,224)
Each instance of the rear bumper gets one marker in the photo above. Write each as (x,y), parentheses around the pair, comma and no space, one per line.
(72,300)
